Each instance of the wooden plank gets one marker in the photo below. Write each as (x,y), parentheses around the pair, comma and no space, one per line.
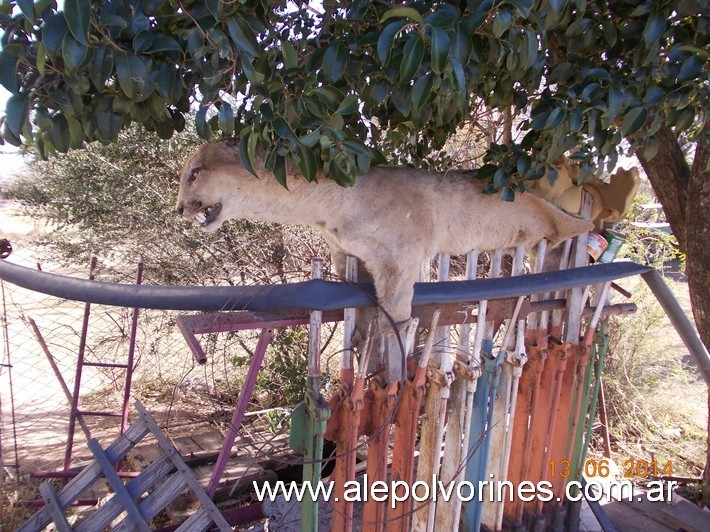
(183,469)
(684,514)
(55,509)
(154,503)
(103,517)
(198,521)
(133,513)
(71,492)
(186,446)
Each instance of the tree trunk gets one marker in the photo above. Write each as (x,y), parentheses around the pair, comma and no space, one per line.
(685,196)
(698,261)
(669,175)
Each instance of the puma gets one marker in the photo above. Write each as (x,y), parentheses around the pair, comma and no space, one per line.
(392,219)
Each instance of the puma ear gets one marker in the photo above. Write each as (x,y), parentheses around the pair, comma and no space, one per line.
(231,142)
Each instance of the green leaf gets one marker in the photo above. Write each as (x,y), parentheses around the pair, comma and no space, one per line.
(108,125)
(507,194)
(616,100)
(335,61)
(143,41)
(280,170)
(225,119)
(53,31)
(422,90)
(576,120)
(406,12)
(440,47)
(76,133)
(41,58)
(59,134)
(125,77)
(650,149)
(653,95)
(28,9)
(283,129)
(530,49)
(633,121)
(539,120)
(164,44)
(349,105)
(8,71)
(557,6)
(243,36)
(692,68)
(655,26)
(101,66)
(246,154)
(459,74)
(555,119)
(16,111)
(386,41)
(201,125)
(413,55)
(330,96)
(311,139)
(523,7)
(503,20)
(290,55)
(610,32)
(307,163)
(74,53)
(356,146)
(78,13)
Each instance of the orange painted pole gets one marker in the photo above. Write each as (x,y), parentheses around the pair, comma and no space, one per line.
(382,401)
(405,432)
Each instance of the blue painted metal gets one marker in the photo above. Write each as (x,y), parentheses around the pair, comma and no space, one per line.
(480,420)
(315,294)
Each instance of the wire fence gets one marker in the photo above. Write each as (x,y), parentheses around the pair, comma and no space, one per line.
(35,414)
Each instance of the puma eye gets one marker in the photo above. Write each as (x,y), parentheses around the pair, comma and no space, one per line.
(193,174)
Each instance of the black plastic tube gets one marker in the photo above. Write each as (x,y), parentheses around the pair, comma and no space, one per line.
(308,295)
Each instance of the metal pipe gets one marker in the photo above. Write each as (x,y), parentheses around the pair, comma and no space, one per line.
(131,355)
(74,408)
(308,295)
(241,408)
(680,321)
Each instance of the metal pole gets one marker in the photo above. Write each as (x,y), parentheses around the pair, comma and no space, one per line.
(680,321)
(131,354)
(77,379)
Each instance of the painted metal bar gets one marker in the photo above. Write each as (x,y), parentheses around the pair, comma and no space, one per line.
(452,465)
(680,321)
(240,409)
(61,380)
(405,430)
(439,377)
(499,429)
(475,466)
(309,295)
(74,409)
(131,355)
(316,415)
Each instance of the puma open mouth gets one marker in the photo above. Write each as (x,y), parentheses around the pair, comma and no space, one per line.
(206,216)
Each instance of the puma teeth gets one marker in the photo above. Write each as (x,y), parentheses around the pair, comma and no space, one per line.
(206,216)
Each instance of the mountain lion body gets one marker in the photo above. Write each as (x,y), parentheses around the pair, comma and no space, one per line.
(392,219)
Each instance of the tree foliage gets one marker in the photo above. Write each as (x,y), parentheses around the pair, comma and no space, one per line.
(115,202)
(329,87)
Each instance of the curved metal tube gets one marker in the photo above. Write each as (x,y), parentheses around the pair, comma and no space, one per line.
(309,295)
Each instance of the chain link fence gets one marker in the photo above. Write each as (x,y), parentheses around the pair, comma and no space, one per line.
(182,394)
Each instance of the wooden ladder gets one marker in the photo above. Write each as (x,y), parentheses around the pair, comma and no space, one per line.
(169,470)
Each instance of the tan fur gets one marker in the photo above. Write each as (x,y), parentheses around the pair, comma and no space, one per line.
(392,218)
